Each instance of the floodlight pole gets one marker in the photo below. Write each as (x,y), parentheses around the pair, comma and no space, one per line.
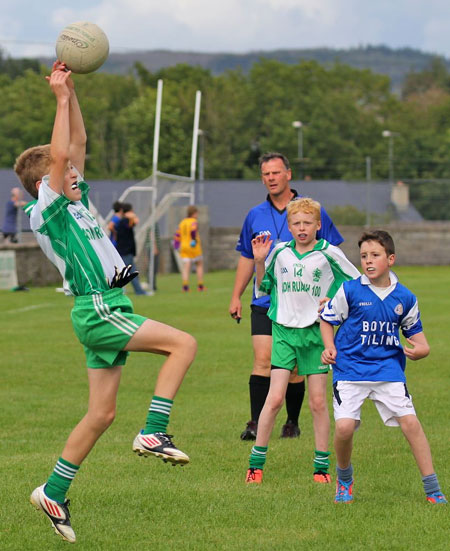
(368,180)
(299,126)
(390,135)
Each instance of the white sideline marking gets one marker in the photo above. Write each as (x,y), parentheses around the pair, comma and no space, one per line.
(27,308)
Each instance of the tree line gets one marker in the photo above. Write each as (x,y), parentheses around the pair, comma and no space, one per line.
(344,112)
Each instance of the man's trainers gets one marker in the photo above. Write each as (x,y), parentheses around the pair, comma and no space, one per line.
(254,476)
(344,491)
(249,433)
(290,430)
(322,478)
(160,445)
(57,513)
(437,497)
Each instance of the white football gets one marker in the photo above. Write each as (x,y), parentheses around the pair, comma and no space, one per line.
(82,46)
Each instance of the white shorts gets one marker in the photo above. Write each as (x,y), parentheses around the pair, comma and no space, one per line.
(194,259)
(391,400)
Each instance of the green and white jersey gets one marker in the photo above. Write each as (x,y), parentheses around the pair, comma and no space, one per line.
(73,240)
(296,282)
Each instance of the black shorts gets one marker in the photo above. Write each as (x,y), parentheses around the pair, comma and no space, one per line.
(261,324)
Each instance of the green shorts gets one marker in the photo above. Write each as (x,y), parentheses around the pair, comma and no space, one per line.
(104,323)
(292,346)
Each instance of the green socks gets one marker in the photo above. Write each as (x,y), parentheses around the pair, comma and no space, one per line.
(60,480)
(321,461)
(158,415)
(258,457)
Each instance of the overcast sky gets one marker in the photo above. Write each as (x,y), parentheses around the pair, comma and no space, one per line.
(29,28)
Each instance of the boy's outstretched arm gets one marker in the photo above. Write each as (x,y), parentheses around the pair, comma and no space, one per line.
(329,354)
(60,141)
(419,347)
(78,137)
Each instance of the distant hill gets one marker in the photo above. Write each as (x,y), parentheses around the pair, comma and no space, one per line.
(395,63)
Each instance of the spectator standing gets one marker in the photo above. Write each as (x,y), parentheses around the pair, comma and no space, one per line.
(126,244)
(117,207)
(187,241)
(9,228)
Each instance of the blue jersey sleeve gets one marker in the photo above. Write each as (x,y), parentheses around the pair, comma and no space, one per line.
(328,230)
(244,245)
(411,323)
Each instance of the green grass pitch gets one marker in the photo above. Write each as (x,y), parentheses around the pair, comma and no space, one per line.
(124,502)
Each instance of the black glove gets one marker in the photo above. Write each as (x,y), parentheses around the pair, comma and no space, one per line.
(123,277)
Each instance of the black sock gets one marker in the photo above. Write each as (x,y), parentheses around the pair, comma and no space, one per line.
(294,399)
(259,388)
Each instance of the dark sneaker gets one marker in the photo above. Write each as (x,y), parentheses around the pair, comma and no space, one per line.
(160,445)
(254,476)
(250,431)
(290,430)
(58,513)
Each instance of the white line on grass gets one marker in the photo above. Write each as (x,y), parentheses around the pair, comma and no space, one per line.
(27,308)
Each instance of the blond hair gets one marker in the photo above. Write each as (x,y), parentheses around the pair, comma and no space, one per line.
(303,204)
(32,165)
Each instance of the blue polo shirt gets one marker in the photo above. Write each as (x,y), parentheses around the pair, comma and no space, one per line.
(367,341)
(266,219)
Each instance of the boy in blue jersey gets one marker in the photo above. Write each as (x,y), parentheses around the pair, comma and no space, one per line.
(269,218)
(102,316)
(297,274)
(369,361)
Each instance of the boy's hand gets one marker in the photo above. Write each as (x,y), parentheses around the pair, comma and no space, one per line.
(123,277)
(322,304)
(60,66)
(417,351)
(261,246)
(328,356)
(58,81)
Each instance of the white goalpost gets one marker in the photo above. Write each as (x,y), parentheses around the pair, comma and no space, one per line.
(152,197)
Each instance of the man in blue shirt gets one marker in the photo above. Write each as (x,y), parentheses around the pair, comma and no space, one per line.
(269,218)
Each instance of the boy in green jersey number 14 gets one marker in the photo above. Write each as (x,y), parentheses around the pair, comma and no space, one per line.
(297,275)
(102,316)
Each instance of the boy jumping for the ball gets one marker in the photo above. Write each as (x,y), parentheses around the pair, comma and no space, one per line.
(102,315)
(369,361)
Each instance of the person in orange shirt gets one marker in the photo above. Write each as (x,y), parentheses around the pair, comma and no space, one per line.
(187,242)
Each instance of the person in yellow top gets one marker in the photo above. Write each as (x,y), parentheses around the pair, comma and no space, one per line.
(187,242)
